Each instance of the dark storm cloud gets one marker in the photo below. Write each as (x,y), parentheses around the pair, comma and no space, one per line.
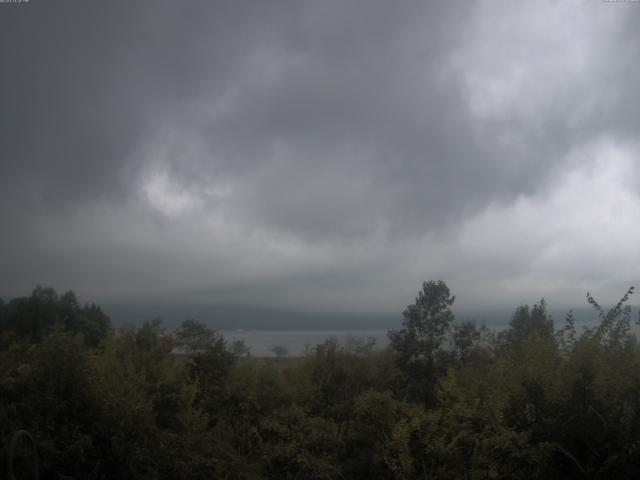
(344,88)
(84,82)
(346,120)
(212,146)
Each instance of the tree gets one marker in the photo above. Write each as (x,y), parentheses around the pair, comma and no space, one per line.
(240,349)
(34,317)
(194,337)
(280,351)
(526,323)
(424,329)
(298,445)
(470,340)
(209,362)
(616,323)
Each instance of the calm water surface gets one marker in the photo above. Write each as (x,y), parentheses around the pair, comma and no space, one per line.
(262,341)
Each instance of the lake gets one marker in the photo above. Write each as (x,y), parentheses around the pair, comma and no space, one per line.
(261,341)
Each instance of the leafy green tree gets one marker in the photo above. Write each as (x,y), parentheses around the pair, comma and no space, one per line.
(280,351)
(381,443)
(418,343)
(126,431)
(240,349)
(32,318)
(194,337)
(335,376)
(527,322)
(209,360)
(444,401)
(301,446)
(46,389)
(614,324)
(472,342)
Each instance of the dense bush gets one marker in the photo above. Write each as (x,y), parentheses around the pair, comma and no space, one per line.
(446,400)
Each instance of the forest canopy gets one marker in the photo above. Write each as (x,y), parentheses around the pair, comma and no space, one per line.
(445,399)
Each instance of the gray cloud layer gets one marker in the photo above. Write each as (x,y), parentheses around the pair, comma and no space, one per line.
(319,154)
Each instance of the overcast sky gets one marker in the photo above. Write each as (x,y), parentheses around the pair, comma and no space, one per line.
(320,155)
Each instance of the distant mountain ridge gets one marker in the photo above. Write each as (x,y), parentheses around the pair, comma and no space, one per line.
(231,317)
(248,317)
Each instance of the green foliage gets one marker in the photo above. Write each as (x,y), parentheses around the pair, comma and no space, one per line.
(472,343)
(34,317)
(194,337)
(418,343)
(615,324)
(526,323)
(444,401)
(279,351)
(426,322)
(209,360)
(298,445)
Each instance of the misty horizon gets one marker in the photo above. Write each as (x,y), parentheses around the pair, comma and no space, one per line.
(320,157)
(319,239)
